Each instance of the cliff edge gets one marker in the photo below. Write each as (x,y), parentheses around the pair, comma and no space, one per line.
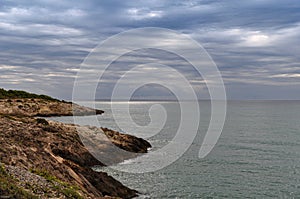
(47,159)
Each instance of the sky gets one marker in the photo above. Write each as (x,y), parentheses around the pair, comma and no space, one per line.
(254,43)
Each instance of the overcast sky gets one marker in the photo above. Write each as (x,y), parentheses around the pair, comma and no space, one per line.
(255,43)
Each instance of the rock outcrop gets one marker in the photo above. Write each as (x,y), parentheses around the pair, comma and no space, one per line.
(43,107)
(47,159)
(54,151)
(124,141)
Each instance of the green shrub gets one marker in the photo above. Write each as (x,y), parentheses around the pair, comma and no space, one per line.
(9,187)
(63,187)
(14,94)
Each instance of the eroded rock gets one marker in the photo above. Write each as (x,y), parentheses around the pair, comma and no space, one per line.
(43,108)
(33,144)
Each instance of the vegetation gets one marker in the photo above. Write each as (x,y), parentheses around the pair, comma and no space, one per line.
(15,94)
(68,190)
(9,188)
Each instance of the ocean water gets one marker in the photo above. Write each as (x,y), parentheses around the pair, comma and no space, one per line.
(257,155)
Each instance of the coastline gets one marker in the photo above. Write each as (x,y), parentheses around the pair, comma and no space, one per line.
(53,151)
(31,107)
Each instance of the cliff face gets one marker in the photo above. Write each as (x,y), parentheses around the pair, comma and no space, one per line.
(47,159)
(43,107)
(48,149)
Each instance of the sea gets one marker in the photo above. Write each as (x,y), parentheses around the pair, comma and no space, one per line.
(256,156)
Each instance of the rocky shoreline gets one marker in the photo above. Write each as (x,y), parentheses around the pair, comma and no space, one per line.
(43,108)
(47,159)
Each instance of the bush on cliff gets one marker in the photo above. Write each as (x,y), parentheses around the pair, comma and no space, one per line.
(14,94)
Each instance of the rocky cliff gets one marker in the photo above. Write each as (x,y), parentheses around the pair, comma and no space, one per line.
(47,159)
(43,107)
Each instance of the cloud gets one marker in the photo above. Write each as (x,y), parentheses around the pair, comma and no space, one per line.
(254,43)
(295,75)
(140,14)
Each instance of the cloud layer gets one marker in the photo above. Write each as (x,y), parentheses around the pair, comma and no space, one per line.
(254,43)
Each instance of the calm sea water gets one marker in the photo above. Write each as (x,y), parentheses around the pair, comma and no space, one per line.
(257,155)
